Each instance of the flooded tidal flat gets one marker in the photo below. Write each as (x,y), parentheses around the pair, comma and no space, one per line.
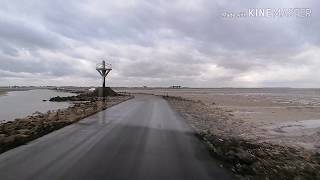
(19,104)
(280,115)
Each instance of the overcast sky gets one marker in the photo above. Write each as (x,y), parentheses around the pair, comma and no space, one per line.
(158,43)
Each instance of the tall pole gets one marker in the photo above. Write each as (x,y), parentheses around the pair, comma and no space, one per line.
(104,74)
(103,71)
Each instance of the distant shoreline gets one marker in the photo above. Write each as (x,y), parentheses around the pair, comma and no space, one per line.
(16,89)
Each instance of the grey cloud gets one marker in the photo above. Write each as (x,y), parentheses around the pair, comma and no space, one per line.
(36,65)
(160,70)
(16,32)
(158,42)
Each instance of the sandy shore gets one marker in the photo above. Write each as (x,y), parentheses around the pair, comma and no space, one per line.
(271,119)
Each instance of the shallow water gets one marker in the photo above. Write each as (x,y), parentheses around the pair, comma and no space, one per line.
(19,104)
(299,125)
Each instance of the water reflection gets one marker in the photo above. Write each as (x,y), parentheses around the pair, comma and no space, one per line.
(19,104)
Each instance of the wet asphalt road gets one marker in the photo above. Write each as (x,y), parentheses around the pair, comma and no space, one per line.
(142,138)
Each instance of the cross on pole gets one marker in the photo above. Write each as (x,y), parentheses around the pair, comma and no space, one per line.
(104,70)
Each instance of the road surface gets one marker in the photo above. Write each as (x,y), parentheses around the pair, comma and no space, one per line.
(142,138)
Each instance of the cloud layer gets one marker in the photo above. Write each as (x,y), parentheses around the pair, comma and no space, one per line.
(157,43)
